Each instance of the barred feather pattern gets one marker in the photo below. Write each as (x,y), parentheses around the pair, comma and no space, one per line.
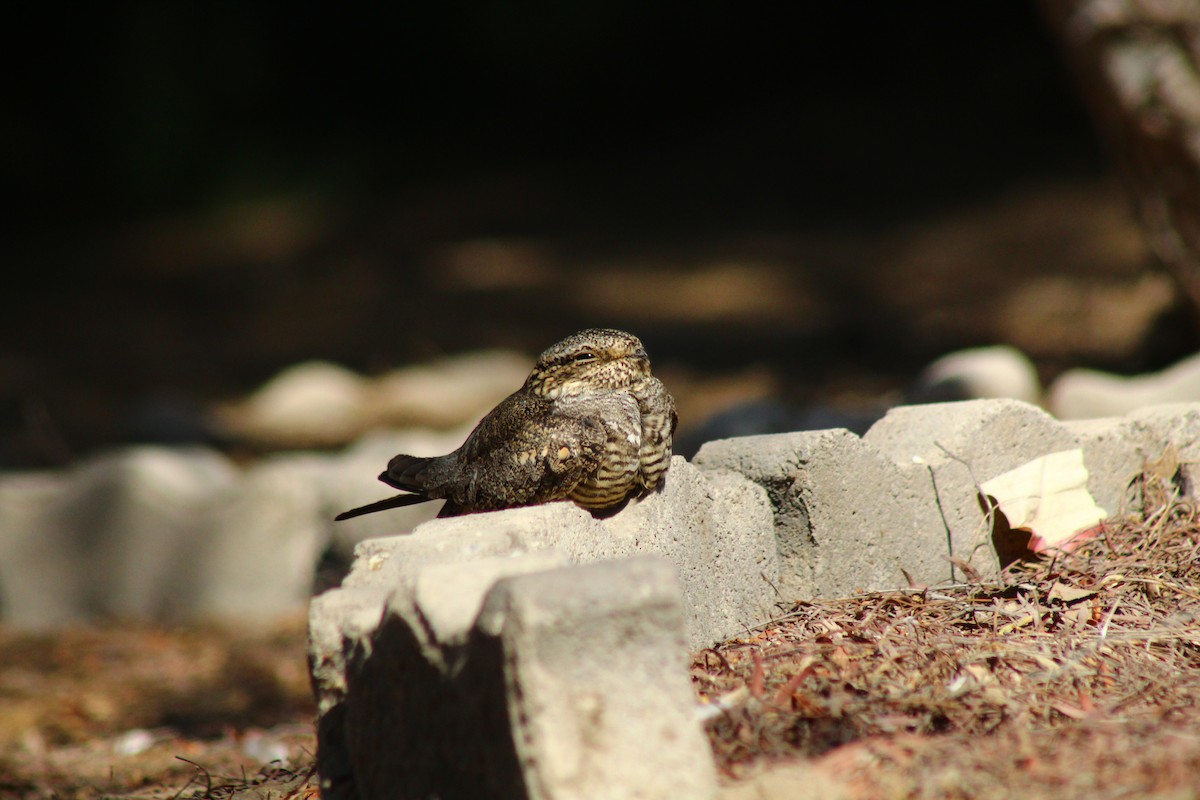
(591,424)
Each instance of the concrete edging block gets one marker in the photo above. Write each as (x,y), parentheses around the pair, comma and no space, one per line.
(524,679)
(847,519)
(961,445)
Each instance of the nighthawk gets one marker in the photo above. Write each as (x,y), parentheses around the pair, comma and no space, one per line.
(590,424)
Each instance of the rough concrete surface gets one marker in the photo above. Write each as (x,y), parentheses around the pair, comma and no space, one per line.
(1116,449)
(416,598)
(715,529)
(960,446)
(593,672)
(422,711)
(847,519)
(519,679)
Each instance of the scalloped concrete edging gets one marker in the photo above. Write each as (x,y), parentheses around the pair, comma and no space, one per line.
(831,513)
(480,611)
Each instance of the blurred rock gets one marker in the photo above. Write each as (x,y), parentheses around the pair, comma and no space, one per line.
(448,392)
(318,404)
(157,533)
(260,542)
(314,404)
(977,374)
(1085,393)
(119,535)
(973,374)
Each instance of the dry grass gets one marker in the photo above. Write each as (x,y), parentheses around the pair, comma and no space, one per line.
(1077,675)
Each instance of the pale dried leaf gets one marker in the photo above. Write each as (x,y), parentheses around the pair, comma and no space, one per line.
(1067,593)
(1047,497)
(1165,466)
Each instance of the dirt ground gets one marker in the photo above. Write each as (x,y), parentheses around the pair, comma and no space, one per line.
(148,712)
(1078,675)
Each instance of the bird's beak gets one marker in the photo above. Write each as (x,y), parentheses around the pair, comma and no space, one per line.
(642,355)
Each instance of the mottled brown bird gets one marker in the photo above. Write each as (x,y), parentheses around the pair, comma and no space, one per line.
(590,424)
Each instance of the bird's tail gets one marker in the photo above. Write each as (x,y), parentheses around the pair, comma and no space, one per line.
(382,505)
(409,473)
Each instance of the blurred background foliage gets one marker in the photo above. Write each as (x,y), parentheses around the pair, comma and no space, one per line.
(811,199)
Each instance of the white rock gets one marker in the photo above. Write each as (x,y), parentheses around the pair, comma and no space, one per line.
(1086,394)
(448,392)
(980,373)
(310,404)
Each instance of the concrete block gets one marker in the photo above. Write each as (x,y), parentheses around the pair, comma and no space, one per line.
(598,634)
(962,445)
(847,519)
(1117,449)
(347,616)
(565,683)
(593,666)
(1177,424)
(117,535)
(1114,451)
(264,535)
(320,404)
(716,530)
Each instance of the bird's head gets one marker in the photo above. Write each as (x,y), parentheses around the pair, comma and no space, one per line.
(597,359)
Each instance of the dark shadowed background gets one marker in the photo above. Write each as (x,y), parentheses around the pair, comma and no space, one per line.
(806,200)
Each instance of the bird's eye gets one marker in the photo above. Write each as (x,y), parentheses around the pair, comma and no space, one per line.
(584,356)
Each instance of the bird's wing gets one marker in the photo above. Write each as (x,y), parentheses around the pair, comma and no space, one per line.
(531,455)
(573,449)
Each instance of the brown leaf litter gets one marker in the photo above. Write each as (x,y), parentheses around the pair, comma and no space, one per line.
(1075,674)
